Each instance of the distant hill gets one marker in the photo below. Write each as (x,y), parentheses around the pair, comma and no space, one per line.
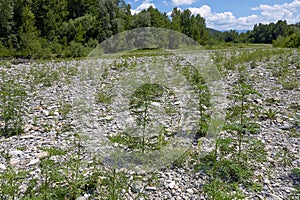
(242,31)
(212,31)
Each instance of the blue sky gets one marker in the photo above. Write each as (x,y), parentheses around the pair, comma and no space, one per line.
(229,14)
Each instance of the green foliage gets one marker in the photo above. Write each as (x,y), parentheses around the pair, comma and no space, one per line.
(263,33)
(103,98)
(190,25)
(65,28)
(6,18)
(218,190)
(10,182)
(232,162)
(12,108)
(43,75)
(230,59)
(271,114)
(292,41)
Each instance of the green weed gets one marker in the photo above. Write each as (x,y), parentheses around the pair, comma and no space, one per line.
(12,108)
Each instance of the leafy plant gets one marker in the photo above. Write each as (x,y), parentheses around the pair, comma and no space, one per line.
(104,98)
(233,160)
(216,189)
(11,180)
(271,114)
(141,106)
(64,109)
(12,108)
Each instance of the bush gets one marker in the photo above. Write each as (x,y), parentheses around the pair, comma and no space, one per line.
(293,41)
(75,49)
(12,96)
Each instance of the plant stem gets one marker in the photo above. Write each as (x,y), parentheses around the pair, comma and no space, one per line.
(144,125)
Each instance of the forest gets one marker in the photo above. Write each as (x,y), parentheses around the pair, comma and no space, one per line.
(71,28)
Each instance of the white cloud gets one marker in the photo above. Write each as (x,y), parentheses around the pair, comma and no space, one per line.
(182,2)
(144,5)
(165,3)
(268,14)
(287,11)
(225,20)
(204,11)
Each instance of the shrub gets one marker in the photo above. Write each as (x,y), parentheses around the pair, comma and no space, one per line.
(12,96)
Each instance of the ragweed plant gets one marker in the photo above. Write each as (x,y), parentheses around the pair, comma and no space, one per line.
(142,104)
(10,180)
(12,108)
(233,160)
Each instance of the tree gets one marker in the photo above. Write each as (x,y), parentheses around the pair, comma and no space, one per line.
(112,15)
(176,20)
(231,36)
(49,16)
(142,19)
(29,33)
(6,18)
(267,33)
(158,19)
(198,29)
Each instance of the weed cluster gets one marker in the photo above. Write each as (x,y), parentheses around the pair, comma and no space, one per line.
(285,69)
(232,162)
(12,108)
(228,60)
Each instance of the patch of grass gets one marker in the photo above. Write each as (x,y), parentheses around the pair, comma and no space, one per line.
(271,114)
(232,162)
(12,107)
(149,52)
(289,83)
(103,98)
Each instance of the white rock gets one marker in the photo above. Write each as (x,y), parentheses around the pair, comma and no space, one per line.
(27,136)
(45,112)
(156,104)
(171,184)
(189,190)
(15,153)
(150,188)
(81,198)
(2,166)
(41,155)
(33,162)
(23,188)
(267,181)
(14,161)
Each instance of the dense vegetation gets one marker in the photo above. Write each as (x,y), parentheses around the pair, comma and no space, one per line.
(68,28)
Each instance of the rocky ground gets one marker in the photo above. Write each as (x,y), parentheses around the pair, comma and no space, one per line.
(50,123)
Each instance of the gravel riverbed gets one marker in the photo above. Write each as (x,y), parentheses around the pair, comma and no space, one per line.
(48,124)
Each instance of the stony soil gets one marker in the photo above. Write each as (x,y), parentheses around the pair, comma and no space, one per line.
(45,126)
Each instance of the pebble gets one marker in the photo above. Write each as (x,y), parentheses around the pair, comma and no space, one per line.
(16,153)
(46,112)
(41,155)
(285,127)
(14,161)
(171,184)
(2,167)
(81,198)
(190,191)
(151,188)
(33,162)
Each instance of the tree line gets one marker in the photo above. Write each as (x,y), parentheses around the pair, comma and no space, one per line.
(71,28)
(279,33)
